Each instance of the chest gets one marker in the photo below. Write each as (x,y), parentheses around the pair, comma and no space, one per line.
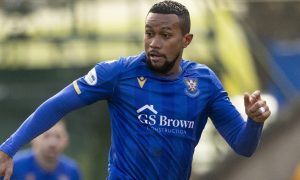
(183,99)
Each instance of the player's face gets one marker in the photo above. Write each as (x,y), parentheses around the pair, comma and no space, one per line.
(164,42)
(50,144)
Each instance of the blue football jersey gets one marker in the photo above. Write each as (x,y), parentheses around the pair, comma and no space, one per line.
(157,121)
(26,168)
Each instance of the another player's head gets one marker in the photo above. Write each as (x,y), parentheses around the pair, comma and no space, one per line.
(49,145)
(167,33)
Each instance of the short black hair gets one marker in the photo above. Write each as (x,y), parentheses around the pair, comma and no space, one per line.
(173,7)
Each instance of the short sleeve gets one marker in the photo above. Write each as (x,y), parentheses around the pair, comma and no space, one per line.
(99,82)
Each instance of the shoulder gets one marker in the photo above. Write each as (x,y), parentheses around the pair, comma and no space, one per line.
(197,68)
(134,61)
(69,166)
(111,69)
(23,156)
(23,161)
(123,63)
(68,163)
(201,71)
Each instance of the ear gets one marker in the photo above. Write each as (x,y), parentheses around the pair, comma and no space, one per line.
(187,39)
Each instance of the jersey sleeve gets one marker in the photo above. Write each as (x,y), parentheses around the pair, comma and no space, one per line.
(99,82)
(221,110)
(242,135)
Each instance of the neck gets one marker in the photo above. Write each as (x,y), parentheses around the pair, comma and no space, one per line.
(46,164)
(171,74)
(176,69)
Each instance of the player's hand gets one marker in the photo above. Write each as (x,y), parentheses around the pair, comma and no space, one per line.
(6,166)
(256,108)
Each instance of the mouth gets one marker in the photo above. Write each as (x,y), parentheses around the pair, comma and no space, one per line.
(154,56)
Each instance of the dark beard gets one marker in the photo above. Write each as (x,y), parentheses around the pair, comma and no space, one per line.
(165,68)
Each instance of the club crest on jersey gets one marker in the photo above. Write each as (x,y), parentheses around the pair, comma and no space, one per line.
(91,77)
(191,87)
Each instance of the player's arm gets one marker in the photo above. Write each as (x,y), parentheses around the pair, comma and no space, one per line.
(243,136)
(249,135)
(43,118)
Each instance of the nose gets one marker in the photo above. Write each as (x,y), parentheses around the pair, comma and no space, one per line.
(155,43)
(52,141)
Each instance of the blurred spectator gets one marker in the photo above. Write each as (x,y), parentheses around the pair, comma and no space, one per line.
(44,160)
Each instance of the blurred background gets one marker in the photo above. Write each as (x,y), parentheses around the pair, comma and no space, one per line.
(250,44)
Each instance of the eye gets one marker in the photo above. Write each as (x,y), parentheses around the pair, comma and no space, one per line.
(166,35)
(149,34)
(58,136)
